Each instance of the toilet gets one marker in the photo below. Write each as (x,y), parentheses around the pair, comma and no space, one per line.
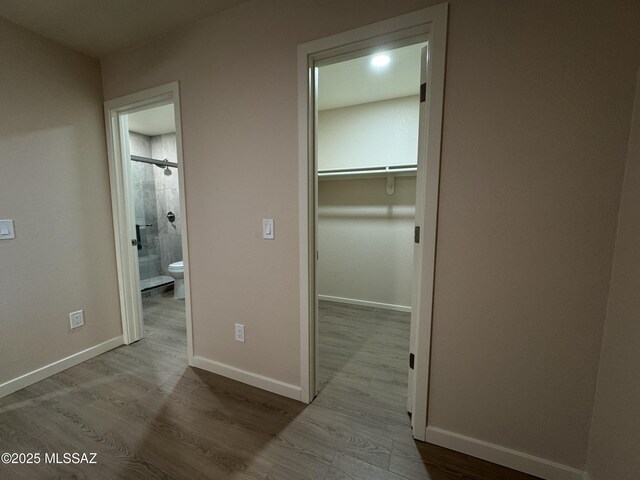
(176,270)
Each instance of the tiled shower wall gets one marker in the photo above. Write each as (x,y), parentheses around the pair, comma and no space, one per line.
(167,200)
(156,194)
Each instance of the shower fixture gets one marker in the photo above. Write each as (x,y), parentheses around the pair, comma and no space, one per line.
(167,172)
(164,164)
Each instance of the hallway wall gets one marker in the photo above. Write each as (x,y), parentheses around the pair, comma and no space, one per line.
(54,184)
(536,115)
(614,448)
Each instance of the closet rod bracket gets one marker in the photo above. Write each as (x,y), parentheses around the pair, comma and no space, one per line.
(391,184)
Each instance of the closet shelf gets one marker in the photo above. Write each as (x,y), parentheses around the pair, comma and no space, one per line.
(367,172)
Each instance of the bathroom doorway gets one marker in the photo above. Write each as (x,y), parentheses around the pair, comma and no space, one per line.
(147,185)
(156,199)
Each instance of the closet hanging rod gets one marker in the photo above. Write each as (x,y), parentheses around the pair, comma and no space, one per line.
(153,161)
(389,170)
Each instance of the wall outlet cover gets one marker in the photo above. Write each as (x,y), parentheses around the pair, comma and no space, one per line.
(239,330)
(76,319)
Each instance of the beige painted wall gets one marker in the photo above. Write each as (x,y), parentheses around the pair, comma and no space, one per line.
(365,236)
(54,183)
(536,119)
(365,239)
(614,448)
(372,134)
(537,107)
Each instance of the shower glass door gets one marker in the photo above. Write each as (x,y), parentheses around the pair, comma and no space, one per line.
(146,210)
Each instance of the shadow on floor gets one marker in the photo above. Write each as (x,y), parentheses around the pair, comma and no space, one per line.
(147,415)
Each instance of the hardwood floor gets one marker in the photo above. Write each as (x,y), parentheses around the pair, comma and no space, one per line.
(148,415)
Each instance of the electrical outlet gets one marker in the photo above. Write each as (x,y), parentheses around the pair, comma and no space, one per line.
(239,332)
(76,319)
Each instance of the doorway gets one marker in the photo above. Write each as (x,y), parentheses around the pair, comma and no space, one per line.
(149,215)
(424,26)
(367,157)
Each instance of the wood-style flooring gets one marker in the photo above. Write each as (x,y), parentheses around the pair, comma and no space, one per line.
(147,415)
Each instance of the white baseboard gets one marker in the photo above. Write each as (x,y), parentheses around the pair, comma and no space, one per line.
(253,379)
(41,373)
(506,457)
(366,303)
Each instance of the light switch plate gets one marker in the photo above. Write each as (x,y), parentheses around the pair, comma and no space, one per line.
(267,228)
(6,230)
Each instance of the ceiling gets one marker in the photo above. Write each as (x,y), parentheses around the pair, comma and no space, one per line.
(354,82)
(153,121)
(99,27)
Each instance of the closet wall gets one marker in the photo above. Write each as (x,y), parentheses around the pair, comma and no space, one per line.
(365,237)
(370,134)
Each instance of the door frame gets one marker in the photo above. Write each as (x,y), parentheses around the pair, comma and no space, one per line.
(115,112)
(430,22)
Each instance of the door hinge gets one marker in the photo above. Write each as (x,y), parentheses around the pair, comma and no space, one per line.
(423,92)
(134,242)
(412,358)
(416,234)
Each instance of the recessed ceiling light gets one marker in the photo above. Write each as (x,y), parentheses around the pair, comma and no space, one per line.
(380,60)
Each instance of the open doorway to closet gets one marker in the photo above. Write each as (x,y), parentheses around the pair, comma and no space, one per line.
(368,111)
(340,223)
